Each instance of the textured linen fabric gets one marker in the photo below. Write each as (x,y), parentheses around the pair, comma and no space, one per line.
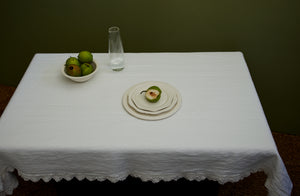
(54,128)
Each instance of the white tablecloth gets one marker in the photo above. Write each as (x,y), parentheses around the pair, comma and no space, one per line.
(54,128)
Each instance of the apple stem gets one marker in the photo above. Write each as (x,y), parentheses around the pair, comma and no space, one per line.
(142,92)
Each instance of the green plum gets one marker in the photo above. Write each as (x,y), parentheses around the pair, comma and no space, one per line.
(73,70)
(85,57)
(86,69)
(153,94)
(72,61)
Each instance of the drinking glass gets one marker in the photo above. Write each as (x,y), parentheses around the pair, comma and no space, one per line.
(115,49)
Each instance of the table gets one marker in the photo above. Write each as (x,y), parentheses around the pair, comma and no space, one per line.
(54,128)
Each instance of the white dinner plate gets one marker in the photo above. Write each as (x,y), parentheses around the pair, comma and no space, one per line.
(165,109)
(132,111)
(139,102)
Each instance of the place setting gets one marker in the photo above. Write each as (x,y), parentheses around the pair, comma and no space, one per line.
(151,100)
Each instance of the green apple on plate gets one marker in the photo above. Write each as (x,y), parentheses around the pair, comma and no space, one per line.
(152,94)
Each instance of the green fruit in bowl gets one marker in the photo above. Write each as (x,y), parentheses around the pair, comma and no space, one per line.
(86,69)
(85,57)
(72,61)
(73,70)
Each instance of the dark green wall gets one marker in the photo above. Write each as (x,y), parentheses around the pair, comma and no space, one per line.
(267,32)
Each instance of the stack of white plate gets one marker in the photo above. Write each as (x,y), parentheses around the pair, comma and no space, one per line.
(136,104)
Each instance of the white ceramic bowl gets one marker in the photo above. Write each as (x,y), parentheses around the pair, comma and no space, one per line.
(80,78)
